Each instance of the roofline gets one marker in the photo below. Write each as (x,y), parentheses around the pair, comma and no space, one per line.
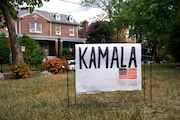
(22,16)
(75,24)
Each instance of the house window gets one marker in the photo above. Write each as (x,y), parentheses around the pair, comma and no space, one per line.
(35,27)
(70,18)
(71,31)
(58,30)
(57,16)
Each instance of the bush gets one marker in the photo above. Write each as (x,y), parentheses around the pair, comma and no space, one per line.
(33,54)
(4,67)
(4,50)
(64,52)
(54,65)
(37,63)
(37,56)
(169,58)
(21,70)
(38,67)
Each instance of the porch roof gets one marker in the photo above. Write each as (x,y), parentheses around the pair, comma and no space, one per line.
(54,38)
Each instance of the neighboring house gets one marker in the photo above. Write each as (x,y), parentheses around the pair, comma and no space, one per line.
(122,36)
(126,38)
(49,29)
(82,32)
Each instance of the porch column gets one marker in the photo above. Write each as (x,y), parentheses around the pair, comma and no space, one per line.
(61,47)
(56,47)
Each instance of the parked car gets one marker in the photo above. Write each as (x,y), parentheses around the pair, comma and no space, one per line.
(147,62)
(71,64)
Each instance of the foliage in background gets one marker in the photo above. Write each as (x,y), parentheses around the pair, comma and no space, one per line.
(64,52)
(99,31)
(156,20)
(4,67)
(33,54)
(149,18)
(38,56)
(173,44)
(54,65)
(153,19)
(4,50)
(21,70)
(9,13)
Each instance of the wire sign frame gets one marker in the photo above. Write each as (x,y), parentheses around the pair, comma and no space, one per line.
(114,98)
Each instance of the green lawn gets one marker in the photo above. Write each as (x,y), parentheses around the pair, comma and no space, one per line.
(46,98)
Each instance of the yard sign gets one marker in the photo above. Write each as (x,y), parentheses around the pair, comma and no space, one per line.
(108,67)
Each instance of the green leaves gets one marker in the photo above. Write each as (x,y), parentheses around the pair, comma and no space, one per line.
(99,30)
(156,20)
(33,54)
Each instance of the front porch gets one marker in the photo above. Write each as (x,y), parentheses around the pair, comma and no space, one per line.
(54,45)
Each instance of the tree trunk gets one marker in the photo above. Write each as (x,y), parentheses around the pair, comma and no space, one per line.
(17,55)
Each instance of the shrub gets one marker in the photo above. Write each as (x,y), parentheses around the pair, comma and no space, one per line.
(20,70)
(169,58)
(33,53)
(38,67)
(37,56)
(54,65)
(64,52)
(37,63)
(4,50)
(4,67)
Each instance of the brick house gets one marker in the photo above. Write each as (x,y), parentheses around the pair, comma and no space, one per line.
(50,30)
(82,32)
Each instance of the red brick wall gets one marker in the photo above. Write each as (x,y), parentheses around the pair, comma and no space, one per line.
(83,32)
(29,18)
(3,30)
(64,30)
(45,27)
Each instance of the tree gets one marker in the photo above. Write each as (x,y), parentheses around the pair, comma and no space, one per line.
(154,19)
(105,5)
(99,32)
(173,44)
(9,10)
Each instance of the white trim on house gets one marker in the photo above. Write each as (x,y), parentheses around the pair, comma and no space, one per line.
(50,27)
(22,16)
(19,27)
(54,38)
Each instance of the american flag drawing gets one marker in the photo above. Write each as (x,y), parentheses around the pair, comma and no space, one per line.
(130,73)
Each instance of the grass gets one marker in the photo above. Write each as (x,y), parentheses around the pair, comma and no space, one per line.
(46,98)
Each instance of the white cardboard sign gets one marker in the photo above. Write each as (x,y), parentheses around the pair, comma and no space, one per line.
(107,67)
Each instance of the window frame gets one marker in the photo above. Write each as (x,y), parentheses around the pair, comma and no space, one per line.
(34,28)
(57,16)
(58,32)
(71,29)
